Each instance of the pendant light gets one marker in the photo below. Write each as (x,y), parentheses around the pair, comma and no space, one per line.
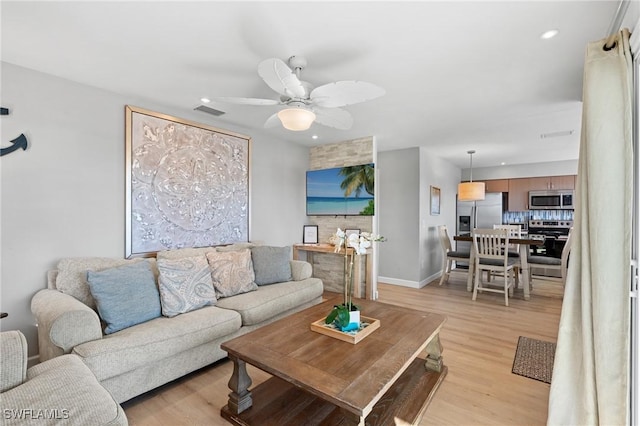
(471,191)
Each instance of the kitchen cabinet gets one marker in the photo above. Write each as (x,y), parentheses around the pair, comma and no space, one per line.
(496,185)
(519,194)
(519,188)
(552,182)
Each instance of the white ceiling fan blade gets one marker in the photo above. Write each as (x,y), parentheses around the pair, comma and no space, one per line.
(343,93)
(247,101)
(333,117)
(272,121)
(281,78)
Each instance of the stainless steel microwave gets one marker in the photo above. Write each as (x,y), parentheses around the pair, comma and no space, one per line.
(551,200)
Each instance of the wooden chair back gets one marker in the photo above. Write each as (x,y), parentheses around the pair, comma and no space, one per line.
(489,243)
(445,241)
(515,231)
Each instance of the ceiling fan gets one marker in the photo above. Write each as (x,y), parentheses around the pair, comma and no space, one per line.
(304,104)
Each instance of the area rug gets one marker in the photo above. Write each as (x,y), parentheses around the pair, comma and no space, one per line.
(534,359)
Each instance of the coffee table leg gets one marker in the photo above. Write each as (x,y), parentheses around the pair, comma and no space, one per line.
(352,419)
(434,355)
(240,397)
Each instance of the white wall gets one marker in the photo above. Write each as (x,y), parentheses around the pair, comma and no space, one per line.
(64,196)
(399,215)
(444,175)
(412,255)
(552,168)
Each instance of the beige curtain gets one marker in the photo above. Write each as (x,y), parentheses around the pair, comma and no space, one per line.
(590,384)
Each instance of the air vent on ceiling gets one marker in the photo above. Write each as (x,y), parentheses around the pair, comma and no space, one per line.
(556,134)
(209,110)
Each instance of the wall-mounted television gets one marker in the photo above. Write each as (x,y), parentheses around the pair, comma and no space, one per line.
(341,191)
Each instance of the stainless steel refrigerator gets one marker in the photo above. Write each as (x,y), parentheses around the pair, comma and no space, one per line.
(488,213)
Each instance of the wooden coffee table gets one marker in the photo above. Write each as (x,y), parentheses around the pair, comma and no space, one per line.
(319,380)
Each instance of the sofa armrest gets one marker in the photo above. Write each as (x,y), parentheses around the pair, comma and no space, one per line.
(13,353)
(63,323)
(300,270)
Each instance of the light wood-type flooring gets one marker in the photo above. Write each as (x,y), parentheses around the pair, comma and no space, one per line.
(479,340)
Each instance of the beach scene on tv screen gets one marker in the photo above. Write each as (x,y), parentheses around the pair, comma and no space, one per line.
(341,191)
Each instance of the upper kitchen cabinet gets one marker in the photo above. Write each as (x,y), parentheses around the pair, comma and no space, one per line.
(552,182)
(519,188)
(519,194)
(496,185)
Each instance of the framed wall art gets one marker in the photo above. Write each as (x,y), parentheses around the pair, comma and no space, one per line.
(187,184)
(310,234)
(435,201)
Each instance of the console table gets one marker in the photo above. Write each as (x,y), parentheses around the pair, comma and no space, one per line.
(357,272)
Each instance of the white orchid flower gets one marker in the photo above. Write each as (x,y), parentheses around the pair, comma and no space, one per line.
(341,236)
(353,241)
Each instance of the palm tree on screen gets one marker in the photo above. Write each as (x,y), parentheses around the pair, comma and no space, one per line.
(357,178)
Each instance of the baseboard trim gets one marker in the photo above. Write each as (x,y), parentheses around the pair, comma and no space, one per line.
(408,283)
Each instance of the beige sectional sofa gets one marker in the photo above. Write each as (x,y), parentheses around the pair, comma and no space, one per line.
(144,356)
(59,391)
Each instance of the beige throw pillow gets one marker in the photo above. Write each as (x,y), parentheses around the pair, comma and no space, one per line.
(185,285)
(231,272)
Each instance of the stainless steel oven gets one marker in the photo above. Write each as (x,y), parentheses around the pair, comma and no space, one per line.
(551,200)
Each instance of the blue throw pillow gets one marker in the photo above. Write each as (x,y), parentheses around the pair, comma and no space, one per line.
(271,264)
(125,296)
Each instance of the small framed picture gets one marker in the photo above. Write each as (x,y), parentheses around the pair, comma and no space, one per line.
(348,232)
(310,234)
(435,201)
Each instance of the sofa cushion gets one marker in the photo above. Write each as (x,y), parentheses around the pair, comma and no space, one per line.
(271,300)
(155,340)
(125,295)
(13,359)
(184,252)
(235,247)
(232,272)
(68,390)
(196,251)
(72,274)
(271,264)
(185,284)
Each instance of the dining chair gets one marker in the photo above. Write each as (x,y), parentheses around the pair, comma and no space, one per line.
(553,262)
(449,255)
(515,231)
(488,246)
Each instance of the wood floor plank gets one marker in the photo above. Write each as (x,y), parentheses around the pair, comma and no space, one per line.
(479,341)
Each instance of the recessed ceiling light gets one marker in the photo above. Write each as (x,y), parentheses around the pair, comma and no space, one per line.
(549,34)
(205,100)
(503,163)
(314,137)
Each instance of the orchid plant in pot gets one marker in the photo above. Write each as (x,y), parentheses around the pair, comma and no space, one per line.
(346,316)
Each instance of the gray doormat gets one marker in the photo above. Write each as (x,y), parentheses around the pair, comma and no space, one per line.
(534,359)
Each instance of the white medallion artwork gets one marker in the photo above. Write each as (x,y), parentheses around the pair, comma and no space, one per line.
(188,184)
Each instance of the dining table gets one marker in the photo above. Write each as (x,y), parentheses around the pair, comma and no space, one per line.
(524,244)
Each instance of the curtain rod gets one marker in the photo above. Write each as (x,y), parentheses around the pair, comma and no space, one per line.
(616,23)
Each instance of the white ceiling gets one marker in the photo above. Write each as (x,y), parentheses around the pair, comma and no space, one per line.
(457,75)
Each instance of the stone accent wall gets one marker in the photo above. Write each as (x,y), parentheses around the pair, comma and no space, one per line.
(330,267)
(348,153)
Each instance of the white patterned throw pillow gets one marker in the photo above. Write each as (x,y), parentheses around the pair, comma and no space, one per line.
(185,284)
(232,272)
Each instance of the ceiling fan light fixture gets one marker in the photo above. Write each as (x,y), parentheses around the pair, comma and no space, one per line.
(296,119)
